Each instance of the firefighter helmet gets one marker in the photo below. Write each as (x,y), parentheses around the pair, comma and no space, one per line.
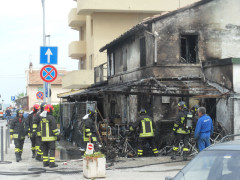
(195,108)
(91,111)
(182,104)
(36,107)
(21,111)
(43,106)
(143,111)
(49,108)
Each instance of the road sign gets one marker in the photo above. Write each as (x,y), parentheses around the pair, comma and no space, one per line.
(90,148)
(48,55)
(39,95)
(48,73)
(13,98)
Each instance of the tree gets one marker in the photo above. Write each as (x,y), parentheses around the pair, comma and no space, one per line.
(20,95)
(56,112)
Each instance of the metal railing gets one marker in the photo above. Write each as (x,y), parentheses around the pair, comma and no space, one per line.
(100,73)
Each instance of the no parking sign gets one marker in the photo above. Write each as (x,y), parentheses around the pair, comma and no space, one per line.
(90,148)
(48,73)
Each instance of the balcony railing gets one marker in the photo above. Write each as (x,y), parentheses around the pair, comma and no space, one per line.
(100,73)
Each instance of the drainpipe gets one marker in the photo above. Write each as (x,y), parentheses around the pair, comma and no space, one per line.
(155,35)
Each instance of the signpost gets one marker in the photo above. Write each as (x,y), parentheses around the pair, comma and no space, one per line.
(12,98)
(48,74)
(39,95)
(48,55)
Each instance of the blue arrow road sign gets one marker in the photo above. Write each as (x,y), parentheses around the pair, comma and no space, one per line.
(48,55)
(13,98)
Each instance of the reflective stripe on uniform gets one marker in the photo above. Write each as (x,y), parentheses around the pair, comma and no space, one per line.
(45,158)
(34,126)
(175,148)
(89,134)
(51,159)
(155,151)
(144,133)
(17,150)
(38,133)
(45,131)
(11,130)
(185,149)
(33,148)
(87,130)
(15,136)
(85,139)
(181,131)
(94,139)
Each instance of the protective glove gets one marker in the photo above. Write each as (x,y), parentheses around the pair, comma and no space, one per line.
(131,128)
(11,137)
(58,138)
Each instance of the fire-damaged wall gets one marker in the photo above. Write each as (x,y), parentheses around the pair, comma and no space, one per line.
(199,33)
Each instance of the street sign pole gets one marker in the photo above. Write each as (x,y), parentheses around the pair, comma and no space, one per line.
(44,44)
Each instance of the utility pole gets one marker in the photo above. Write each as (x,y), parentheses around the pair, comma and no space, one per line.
(44,44)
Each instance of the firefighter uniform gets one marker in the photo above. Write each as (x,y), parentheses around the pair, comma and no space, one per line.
(49,134)
(146,132)
(37,133)
(32,135)
(18,130)
(181,131)
(89,130)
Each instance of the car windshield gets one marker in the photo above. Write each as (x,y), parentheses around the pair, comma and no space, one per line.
(212,165)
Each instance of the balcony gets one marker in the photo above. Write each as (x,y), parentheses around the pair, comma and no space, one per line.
(100,73)
(152,6)
(78,79)
(76,21)
(77,49)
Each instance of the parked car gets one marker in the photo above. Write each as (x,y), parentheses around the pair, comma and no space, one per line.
(217,162)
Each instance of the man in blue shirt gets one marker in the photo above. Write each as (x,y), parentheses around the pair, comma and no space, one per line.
(203,129)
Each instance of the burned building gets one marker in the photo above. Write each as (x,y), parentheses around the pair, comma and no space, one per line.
(190,54)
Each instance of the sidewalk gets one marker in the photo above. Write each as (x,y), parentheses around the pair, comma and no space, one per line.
(124,169)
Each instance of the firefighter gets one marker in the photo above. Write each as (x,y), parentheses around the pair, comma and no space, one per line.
(32,135)
(37,133)
(89,129)
(146,135)
(18,131)
(181,131)
(194,111)
(49,134)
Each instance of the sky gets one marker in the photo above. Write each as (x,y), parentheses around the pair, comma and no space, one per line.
(21,35)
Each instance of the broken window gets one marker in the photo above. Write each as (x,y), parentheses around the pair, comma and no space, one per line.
(189,48)
(142,52)
(125,60)
(111,64)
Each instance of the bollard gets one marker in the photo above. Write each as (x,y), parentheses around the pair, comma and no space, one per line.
(2,159)
(9,140)
(6,141)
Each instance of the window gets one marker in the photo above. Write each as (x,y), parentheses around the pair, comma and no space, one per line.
(91,63)
(189,48)
(111,64)
(142,52)
(125,60)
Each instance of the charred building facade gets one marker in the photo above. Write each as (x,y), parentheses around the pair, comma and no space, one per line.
(190,54)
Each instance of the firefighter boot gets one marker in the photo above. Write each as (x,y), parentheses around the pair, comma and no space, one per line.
(173,157)
(184,156)
(33,153)
(17,156)
(20,156)
(52,165)
(45,164)
(38,157)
